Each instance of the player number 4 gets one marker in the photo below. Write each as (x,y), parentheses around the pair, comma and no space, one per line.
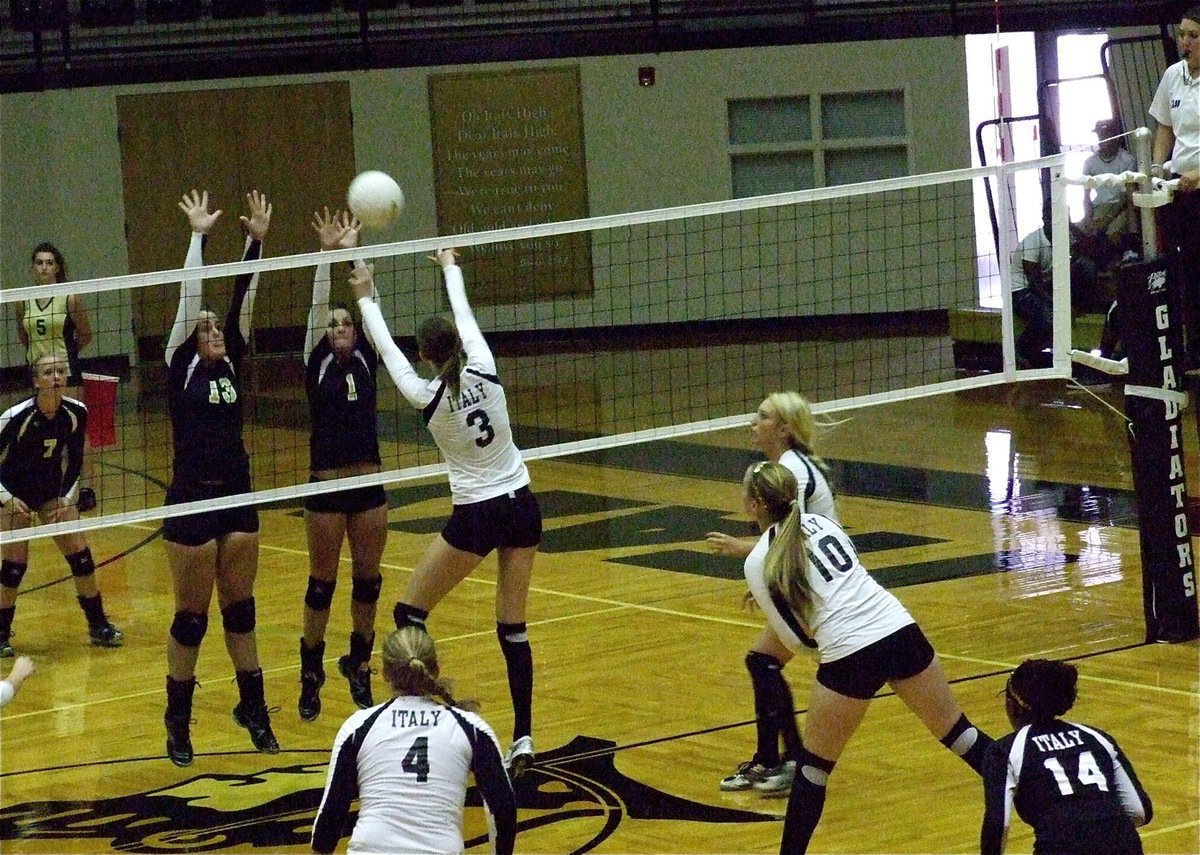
(1089,773)
(416,761)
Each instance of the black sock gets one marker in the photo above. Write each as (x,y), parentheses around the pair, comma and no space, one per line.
(6,619)
(361,648)
(311,658)
(764,670)
(806,802)
(406,615)
(250,689)
(179,697)
(968,742)
(93,610)
(518,658)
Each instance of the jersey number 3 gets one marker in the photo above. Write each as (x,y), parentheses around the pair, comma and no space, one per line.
(486,432)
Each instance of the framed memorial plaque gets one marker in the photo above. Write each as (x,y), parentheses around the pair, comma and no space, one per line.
(508,151)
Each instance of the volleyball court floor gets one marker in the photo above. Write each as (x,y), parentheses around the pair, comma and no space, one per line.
(1002,518)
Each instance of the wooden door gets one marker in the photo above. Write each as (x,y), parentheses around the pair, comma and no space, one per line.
(293,143)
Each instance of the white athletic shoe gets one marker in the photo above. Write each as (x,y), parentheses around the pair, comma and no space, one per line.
(779,782)
(520,757)
(748,775)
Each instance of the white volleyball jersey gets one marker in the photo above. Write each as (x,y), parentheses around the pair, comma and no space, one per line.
(849,609)
(471,429)
(410,774)
(816,496)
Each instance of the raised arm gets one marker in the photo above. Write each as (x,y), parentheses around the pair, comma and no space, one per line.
(468,329)
(245,286)
(411,386)
(195,206)
(336,231)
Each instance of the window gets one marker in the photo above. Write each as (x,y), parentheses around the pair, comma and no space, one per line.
(799,142)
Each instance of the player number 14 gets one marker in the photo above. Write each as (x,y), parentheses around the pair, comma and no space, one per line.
(1089,773)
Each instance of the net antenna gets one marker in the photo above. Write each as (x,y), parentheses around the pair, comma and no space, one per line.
(617,329)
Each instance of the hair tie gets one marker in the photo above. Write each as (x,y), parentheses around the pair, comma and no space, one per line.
(1012,693)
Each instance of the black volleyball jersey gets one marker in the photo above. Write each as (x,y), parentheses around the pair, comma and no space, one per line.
(1071,783)
(205,401)
(341,400)
(39,452)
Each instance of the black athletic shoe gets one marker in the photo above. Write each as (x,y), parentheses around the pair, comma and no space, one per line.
(179,739)
(360,681)
(106,635)
(258,723)
(310,694)
(6,648)
(87,500)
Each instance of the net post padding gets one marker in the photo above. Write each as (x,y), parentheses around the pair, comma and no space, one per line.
(1147,317)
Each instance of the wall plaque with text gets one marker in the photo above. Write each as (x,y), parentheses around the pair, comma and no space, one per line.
(508,151)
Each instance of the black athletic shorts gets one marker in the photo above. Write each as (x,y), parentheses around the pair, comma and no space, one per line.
(200,528)
(32,492)
(905,653)
(513,520)
(353,500)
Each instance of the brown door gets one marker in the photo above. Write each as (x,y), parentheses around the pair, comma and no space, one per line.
(294,143)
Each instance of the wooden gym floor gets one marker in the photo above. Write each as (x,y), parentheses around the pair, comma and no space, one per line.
(1003,519)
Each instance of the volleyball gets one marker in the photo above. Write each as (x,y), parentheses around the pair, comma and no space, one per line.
(375,199)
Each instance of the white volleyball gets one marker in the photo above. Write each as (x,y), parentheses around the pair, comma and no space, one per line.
(375,199)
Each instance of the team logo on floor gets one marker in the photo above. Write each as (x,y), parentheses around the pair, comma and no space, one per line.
(577,784)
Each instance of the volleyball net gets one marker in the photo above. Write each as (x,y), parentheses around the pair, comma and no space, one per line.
(607,331)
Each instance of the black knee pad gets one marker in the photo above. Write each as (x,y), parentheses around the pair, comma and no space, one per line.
(11,573)
(239,617)
(366,590)
(188,628)
(406,615)
(319,594)
(81,563)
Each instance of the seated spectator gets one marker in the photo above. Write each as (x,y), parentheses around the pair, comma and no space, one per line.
(1109,224)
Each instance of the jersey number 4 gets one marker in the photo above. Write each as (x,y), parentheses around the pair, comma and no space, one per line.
(416,761)
(1088,774)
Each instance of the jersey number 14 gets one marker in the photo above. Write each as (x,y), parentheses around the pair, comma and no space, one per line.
(1089,773)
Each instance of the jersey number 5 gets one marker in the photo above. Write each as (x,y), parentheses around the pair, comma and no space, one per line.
(1089,773)
(416,761)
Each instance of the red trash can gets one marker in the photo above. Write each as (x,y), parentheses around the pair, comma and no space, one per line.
(100,397)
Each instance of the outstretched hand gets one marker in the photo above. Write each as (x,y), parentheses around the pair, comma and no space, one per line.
(338,230)
(260,215)
(195,205)
(362,281)
(445,257)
